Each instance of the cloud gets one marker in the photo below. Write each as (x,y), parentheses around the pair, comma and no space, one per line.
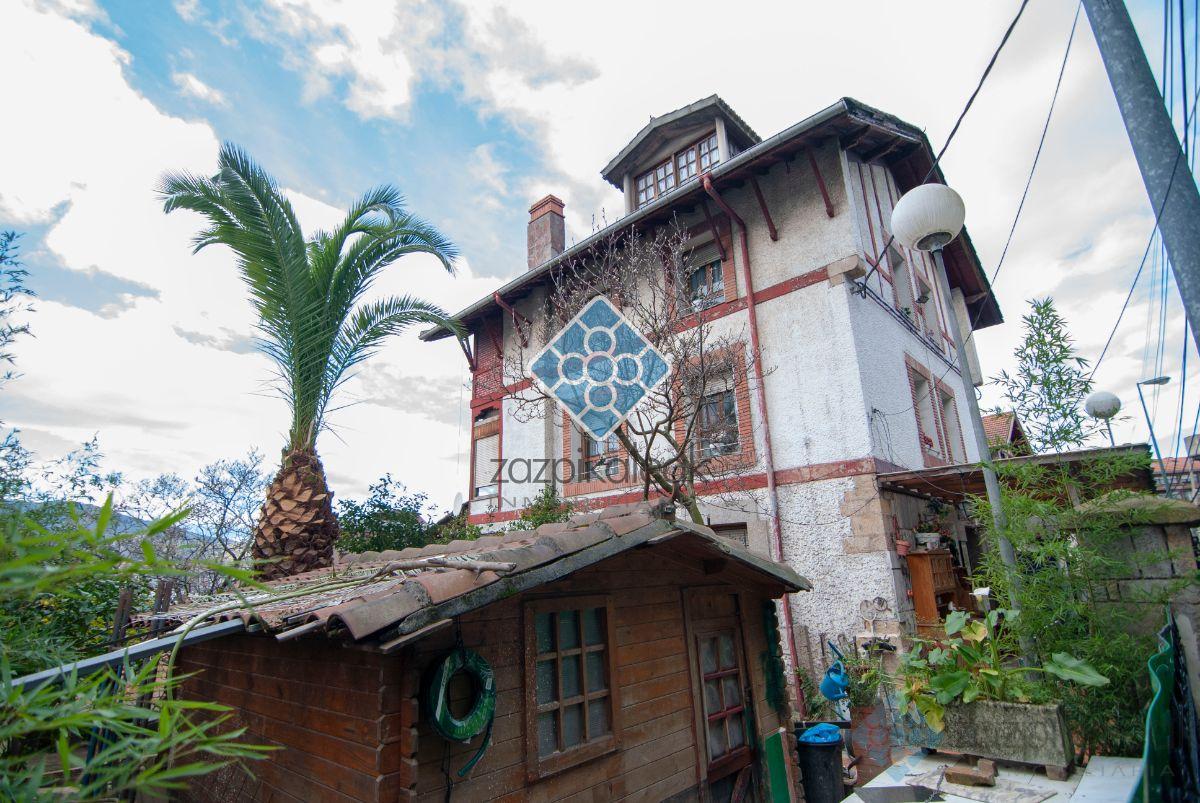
(438,398)
(192,86)
(228,340)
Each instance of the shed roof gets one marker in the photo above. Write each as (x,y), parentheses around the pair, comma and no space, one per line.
(397,596)
(957,482)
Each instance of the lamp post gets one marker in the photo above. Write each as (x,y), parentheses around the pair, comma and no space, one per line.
(1103,405)
(1158,380)
(928,218)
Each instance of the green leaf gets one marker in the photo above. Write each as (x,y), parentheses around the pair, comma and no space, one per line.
(949,685)
(1072,669)
(955,622)
(976,631)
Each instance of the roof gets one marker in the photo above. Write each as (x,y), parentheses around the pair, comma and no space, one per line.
(1148,509)
(998,427)
(955,483)
(849,120)
(1177,465)
(396,597)
(665,127)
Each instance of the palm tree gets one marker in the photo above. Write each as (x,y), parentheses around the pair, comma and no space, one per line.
(312,321)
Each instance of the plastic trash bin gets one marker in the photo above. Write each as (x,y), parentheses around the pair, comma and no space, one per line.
(820,760)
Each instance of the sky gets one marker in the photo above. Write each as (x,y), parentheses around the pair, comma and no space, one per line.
(474,110)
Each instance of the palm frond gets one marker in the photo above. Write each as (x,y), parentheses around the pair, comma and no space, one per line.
(308,293)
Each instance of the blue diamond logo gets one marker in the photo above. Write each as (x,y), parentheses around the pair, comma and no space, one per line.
(598,368)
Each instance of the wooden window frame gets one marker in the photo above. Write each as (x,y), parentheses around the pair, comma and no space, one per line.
(728,398)
(734,760)
(538,767)
(648,179)
(714,271)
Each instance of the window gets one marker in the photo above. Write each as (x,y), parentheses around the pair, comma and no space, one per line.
(706,285)
(903,284)
(601,458)
(723,680)
(710,154)
(487,454)
(717,424)
(927,429)
(570,715)
(951,426)
(680,167)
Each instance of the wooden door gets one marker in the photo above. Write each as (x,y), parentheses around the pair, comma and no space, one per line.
(722,695)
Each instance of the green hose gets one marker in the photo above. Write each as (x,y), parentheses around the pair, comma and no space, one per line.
(483,708)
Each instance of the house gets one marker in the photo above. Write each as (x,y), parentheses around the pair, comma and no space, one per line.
(855,373)
(1005,435)
(1176,476)
(629,656)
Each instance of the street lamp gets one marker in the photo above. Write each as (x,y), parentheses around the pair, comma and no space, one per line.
(1162,467)
(928,218)
(1103,405)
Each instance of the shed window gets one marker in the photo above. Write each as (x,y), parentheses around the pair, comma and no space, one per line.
(569,682)
(723,680)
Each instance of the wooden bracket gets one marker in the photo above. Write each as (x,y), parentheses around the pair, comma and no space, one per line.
(712,224)
(519,321)
(466,350)
(812,163)
(762,204)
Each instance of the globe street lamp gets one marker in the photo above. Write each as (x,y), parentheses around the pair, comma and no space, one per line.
(927,218)
(1162,467)
(1103,406)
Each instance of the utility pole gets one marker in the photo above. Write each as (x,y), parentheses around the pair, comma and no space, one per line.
(1165,172)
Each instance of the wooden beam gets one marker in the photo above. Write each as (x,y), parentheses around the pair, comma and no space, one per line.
(881,151)
(812,163)
(762,204)
(712,224)
(851,141)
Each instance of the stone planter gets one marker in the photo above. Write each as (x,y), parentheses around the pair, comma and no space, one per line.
(1030,734)
(870,741)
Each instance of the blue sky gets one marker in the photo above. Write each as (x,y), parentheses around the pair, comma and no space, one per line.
(475,110)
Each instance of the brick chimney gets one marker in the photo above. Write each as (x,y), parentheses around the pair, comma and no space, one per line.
(547,230)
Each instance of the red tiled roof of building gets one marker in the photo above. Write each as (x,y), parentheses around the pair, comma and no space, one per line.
(1177,465)
(998,427)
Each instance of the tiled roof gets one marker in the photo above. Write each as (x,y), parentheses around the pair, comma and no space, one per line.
(998,427)
(392,595)
(1177,465)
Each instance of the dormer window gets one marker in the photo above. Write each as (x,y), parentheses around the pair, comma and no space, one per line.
(681,167)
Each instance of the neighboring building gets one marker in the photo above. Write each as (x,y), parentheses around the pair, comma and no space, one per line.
(632,656)
(1177,477)
(857,383)
(1005,436)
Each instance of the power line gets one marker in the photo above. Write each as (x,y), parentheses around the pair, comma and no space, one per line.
(1041,142)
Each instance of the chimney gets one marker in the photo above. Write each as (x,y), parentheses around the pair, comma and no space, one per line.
(547,231)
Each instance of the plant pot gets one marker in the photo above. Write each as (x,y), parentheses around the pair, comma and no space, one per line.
(1029,734)
(902,547)
(870,741)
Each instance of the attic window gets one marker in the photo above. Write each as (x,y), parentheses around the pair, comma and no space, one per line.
(682,166)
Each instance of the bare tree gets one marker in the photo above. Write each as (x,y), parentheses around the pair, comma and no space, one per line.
(690,429)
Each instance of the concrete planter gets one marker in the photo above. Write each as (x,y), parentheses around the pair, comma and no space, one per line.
(870,741)
(1030,734)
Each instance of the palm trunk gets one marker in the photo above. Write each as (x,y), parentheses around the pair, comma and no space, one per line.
(296,528)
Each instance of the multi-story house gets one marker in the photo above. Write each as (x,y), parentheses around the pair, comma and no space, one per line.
(855,367)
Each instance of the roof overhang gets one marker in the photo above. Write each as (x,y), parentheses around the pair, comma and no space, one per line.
(956,483)
(873,133)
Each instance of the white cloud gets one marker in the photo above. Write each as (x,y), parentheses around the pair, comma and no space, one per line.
(192,86)
(168,382)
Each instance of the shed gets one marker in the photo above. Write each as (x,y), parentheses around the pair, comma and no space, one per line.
(634,657)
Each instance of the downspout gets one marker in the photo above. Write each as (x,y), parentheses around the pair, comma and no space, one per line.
(761,398)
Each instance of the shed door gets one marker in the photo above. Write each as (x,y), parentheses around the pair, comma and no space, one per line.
(723,695)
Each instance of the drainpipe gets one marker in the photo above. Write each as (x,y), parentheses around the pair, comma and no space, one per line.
(761,398)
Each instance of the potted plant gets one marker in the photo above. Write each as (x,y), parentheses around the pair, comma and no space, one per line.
(870,727)
(903,545)
(974,699)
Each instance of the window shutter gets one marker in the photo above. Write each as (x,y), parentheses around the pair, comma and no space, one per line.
(487,451)
(704,254)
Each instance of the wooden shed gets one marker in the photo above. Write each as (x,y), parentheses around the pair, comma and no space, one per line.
(633,656)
